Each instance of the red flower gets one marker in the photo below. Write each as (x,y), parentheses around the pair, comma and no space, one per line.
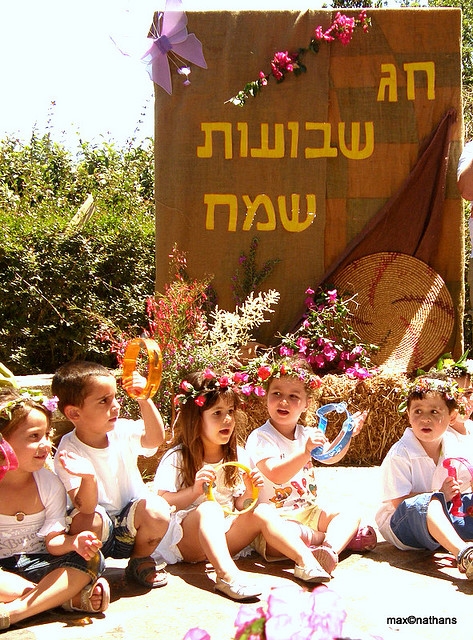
(185,386)
(264,373)
(200,401)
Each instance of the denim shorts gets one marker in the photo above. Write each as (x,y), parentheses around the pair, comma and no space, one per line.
(409,521)
(119,531)
(35,566)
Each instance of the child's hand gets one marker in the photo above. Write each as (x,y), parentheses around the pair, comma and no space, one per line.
(204,478)
(316,438)
(135,384)
(76,465)
(255,476)
(359,418)
(450,488)
(87,544)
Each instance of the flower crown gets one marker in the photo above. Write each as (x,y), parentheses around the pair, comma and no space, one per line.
(236,381)
(425,383)
(446,364)
(286,368)
(27,395)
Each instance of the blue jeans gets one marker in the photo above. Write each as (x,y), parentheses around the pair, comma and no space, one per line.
(35,566)
(120,532)
(409,521)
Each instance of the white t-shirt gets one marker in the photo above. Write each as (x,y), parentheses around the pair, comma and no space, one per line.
(167,478)
(407,469)
(299,492)
(28,535)
(119,480)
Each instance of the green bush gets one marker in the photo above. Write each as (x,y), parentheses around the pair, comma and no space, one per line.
(61,286)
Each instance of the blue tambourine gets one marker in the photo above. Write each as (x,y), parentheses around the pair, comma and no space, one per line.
(343,437)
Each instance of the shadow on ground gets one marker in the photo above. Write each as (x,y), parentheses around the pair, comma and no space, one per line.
(386,593)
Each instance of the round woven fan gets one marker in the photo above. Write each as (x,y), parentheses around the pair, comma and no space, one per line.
(401,305)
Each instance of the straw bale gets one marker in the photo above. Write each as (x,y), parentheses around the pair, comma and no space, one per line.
(379,395)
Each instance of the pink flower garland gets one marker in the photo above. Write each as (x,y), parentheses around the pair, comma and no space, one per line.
(283,62)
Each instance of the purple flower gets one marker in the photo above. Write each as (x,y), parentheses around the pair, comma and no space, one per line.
(247,389)
(51,403)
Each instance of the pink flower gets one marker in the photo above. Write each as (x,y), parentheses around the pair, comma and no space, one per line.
(200,401)
(263,78)
(332,296)
(319,361)
(196,634)
(356,371)
(302,344)
(293,613)
(259,391)
(209,374)
(224,381)
(247,389)
(264,373)
(309,292)
(285,351)
(185,386)
(239,377)
(249,620)
(330,352)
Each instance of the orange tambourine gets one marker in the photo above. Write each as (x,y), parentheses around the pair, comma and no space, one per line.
(254,495)
(155,364)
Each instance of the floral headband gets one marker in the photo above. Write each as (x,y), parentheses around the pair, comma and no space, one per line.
(423,384)
(27,395)
(446,364)
(238,381)
(285,368)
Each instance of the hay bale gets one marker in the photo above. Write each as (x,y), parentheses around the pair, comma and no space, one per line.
(380,395)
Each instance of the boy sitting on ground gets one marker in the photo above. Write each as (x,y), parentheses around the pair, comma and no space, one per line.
(97,463)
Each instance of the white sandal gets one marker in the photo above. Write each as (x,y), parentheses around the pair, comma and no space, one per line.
(4,617)
(85,598)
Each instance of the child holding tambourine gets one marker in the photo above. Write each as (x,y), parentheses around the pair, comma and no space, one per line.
(201,529)
(281,449)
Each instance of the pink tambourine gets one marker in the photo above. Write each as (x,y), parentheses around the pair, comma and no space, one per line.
(10,461)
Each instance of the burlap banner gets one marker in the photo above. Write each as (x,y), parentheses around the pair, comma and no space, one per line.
(308,163)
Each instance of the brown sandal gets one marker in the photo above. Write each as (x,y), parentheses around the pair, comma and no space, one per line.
(139,572)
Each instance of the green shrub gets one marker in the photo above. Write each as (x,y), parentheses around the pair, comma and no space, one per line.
(61,286)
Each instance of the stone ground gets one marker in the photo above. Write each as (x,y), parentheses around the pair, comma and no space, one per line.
(380,584)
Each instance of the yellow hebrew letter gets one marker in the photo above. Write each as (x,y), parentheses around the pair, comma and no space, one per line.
(206,150)
(213,200)
(355,153)
(389,83)
(326,151)
(264,151)
(429,68)
(294,129)
(242,127)
(293,224)
(252,207)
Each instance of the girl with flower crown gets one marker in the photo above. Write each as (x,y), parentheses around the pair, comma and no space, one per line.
(41,566)
(205,437)
(281,449)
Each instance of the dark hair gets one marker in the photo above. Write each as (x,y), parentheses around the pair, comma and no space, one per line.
(188,427)
(72,382)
